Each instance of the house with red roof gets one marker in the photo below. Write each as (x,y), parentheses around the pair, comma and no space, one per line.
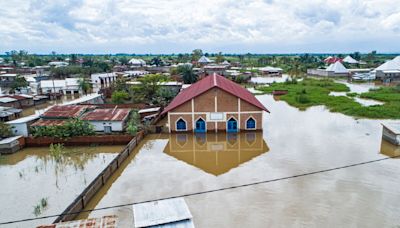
(214,104)
(108,120)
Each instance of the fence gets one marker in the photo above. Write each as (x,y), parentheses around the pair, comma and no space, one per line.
(82,200)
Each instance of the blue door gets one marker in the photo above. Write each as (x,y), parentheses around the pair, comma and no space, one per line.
(200,126)
(232,125)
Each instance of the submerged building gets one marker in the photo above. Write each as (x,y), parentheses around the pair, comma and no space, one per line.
(214,104)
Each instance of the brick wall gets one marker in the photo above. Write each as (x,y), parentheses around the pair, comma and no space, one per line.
(79,140)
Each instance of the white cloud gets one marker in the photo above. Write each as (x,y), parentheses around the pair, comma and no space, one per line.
(104,26)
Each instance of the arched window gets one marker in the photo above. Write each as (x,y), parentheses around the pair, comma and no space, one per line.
(251,123)
(181,125)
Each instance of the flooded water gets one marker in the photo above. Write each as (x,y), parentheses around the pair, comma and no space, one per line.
(296,142)
(32,176)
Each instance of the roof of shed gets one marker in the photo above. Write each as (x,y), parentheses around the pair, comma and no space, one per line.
(64,111)
(107,115)
(42,123)
(208,83)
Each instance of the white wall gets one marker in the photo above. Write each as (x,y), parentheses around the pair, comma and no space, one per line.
(19,129)
(115,125)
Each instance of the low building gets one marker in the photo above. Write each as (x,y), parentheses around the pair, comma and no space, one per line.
(10,145)
(214,104)
(22,125)
(9,113)
(66,86)
(107,120)
(270,71)
(7,79)
(64,111)
(391,132)
(350,60)
(17,101)
(204,60)
(58,64)
(215,69)
(334,70)
(137,62)
(102,80)
(389,71)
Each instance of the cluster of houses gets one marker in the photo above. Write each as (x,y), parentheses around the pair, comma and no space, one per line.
(387,72)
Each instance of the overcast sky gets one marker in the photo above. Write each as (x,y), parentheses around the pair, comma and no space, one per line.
(173,26)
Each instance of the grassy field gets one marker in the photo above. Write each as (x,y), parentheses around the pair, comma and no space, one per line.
(312,92)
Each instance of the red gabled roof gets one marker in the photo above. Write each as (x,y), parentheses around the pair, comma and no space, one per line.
(42,123)
(208,83)
(109,114)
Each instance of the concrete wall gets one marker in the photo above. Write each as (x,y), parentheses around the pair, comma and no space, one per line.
(117,126)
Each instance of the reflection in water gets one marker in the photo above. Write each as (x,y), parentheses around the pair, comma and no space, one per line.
(216,153)
(389,149)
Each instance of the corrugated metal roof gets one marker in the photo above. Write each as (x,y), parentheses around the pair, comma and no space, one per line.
(107,115)
(42,123)
(109,221)
(7,99)
(64,111)
(208,83)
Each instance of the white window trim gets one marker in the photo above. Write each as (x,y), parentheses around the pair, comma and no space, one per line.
(176,124)
(255,125)
(205,122)
(227,120)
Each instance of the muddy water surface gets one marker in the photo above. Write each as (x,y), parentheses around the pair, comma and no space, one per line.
(296,142)
(31,175)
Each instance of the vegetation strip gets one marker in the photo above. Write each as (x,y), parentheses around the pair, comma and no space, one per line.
(209,191)
(312,92)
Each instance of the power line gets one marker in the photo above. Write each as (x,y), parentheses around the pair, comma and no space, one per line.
(208,191)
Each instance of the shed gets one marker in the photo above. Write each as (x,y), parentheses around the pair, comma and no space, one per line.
(10,145)
(391,132)
(21,126)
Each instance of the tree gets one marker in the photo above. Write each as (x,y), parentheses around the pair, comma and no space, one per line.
(118,97)
(156,61)
(220,58)
(196,54)
(5,130)
(164,96)
(84,85)
(134,123)
(150,84)
(187,74)
(18,83)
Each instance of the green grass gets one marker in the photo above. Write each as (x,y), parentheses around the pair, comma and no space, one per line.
(312,92)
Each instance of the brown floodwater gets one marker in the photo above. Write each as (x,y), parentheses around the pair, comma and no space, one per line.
(32,174)
(292,142)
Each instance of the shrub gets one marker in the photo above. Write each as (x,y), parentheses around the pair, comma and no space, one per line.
(5,130)
(302,98)
(134,123)
(118,97)
(73,127)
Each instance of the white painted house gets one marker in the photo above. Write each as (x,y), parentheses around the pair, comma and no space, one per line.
(21,126)
(66,86)
(107,120)
(102,80)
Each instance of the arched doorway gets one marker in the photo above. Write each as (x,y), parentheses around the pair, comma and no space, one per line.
(181,125)
(232,125)
(200,126)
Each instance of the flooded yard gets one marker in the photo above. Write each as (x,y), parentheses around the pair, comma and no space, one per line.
(35,183)
(293,142)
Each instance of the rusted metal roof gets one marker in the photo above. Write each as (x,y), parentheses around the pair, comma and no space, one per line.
(107,114)
(65,111)
(208,83)
(110,221)
(43,122)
